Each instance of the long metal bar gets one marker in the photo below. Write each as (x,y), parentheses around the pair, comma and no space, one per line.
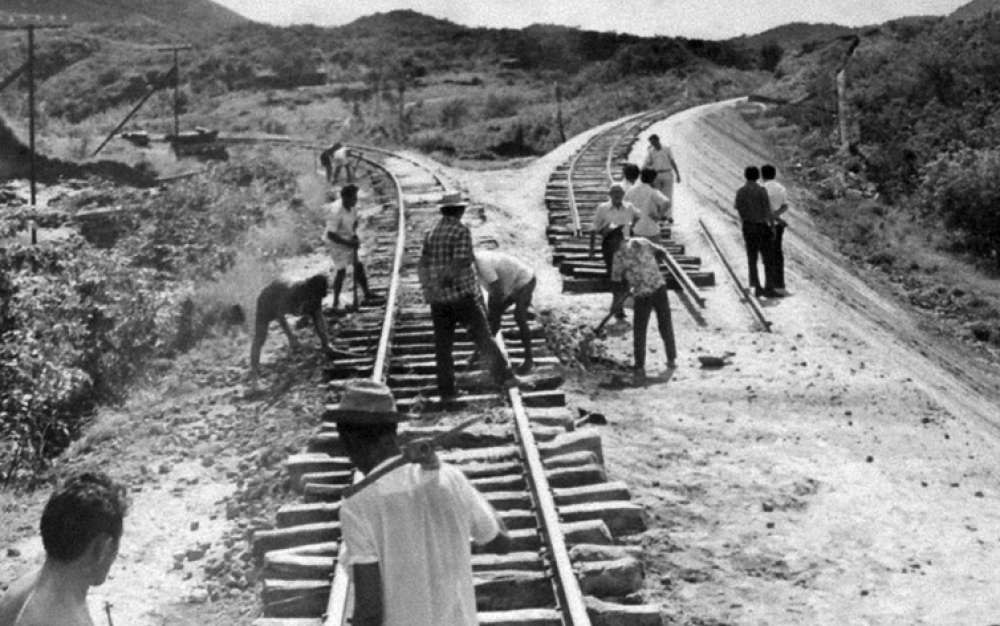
(339,602)
(564,582)
(751,300)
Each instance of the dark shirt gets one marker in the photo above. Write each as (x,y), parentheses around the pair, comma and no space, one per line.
(447,271)
(752,204)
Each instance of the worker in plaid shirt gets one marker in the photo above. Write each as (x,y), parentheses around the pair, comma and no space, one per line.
(448,277)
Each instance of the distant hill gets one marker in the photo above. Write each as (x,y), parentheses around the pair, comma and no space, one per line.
(976,8)
(794,35)
(190,18)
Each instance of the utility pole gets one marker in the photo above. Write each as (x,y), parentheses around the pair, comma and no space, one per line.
(30,72)
(177,82)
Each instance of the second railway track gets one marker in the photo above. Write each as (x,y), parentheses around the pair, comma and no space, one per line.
(543,474)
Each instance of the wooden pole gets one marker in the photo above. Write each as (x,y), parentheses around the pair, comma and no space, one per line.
(31,108)
(177,84)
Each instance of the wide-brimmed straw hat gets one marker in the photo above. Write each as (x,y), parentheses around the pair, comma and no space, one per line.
(365,402)
(452,199)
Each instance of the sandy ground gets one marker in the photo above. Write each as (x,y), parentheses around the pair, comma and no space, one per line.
(832,474)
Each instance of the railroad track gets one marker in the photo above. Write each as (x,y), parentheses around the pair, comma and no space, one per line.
(575,189)
(543,474)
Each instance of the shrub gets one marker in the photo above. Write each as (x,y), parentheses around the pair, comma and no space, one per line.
(501,105)
(453,113)
(964,188)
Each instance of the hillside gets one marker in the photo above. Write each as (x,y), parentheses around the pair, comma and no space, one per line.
(975,9)
(794,35)
(189,19)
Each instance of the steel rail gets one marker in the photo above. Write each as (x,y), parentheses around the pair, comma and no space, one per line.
(750,299)
(565,585)
(340,587)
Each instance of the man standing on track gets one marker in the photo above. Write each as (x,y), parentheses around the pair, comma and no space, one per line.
(778,199)
(343,244)
(613,221)
(406,535)
(81,531)
(652,205)
(637,261)
(755,211)
(448,277)
(508,281)
(661,159)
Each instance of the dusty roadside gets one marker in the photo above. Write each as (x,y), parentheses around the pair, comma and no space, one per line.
(832,474)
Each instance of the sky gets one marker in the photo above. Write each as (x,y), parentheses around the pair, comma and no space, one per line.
(704,19)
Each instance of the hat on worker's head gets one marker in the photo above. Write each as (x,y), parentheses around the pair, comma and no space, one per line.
(366,402)
(452,200)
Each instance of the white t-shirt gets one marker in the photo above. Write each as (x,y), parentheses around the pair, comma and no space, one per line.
(607,215)
(659,160)
(776,194)
(416,524)
(651,204)
(512,272)
(340,155)
(341,222)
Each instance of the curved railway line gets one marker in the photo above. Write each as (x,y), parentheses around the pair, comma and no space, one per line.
(543,474)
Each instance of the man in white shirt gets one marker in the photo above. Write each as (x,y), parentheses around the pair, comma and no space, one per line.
(777,196)
(652,205)
(343,243)
(661,159)
(507,281)
(406,535)
(613,221)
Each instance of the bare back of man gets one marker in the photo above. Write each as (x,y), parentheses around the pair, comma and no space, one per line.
(285,296)
(33,600)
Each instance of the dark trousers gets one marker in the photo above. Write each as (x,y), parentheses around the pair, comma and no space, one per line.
(759,240)
(469,313)
(521,300)
(609,244)
(644,305)
(779,257)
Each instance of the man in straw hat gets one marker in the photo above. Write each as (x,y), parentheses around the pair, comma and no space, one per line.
(407,534)
(448,277)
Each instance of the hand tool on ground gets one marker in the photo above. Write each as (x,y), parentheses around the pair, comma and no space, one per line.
(420,451)
(615,306)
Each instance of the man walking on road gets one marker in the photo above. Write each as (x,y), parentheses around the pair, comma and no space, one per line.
(508,281)
(406,535)
(661,159)
(448,277)
(343,244)
(613,221)
(755,211)
(778,199)
(637,261)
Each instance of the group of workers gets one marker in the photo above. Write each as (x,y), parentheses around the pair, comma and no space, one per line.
(406,535)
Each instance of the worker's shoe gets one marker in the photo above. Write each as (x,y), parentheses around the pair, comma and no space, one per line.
(638,377)
(372,299)
(524,368)
(758,292)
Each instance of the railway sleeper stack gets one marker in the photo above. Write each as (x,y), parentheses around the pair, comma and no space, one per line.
(298,555)
(588,173)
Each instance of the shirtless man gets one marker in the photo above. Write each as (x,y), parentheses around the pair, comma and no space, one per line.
(283,296)
(81,529)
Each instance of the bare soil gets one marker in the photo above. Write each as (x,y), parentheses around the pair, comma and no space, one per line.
(831,474)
